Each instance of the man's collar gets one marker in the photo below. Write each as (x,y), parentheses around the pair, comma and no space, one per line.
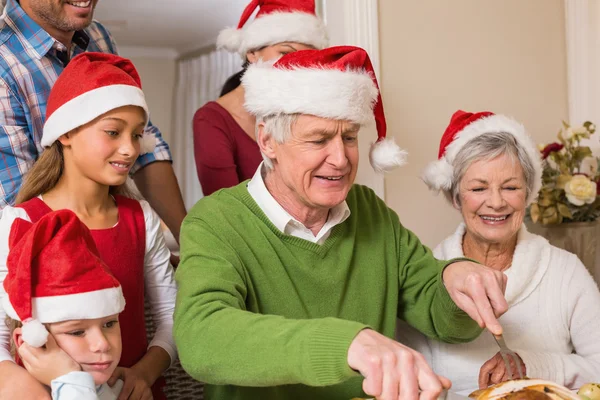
(32,34)
(276,213)
(265,200)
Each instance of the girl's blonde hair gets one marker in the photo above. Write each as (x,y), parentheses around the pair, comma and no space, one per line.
(46,172)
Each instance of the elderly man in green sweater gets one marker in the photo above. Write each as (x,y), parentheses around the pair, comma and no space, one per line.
(290,283)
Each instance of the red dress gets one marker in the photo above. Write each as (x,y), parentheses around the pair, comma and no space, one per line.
(122,248)
(225,155)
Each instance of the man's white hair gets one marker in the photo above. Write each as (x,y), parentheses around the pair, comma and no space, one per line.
(279,127)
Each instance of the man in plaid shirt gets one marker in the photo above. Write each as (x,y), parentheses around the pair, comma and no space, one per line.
(37,40)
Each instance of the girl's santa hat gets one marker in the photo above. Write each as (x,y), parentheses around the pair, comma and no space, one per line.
(277,21)
(55,274)
(336,83)
(464,127)
(91,85)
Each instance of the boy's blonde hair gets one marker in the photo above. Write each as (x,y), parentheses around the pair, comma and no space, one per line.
(13,324)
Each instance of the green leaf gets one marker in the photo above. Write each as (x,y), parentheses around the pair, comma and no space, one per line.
(545,201)
(564,210)
(567,126)
(581,152)
(549,212)
(562,180)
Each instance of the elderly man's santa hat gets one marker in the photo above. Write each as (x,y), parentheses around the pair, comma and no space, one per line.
(465,126)
(336,83)
(55,274)
(277,21)
(91,85)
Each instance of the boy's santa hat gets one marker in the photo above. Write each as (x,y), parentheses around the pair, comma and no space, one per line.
(465,126)
(277,21)
(55,274)
(336,83)
(91,85)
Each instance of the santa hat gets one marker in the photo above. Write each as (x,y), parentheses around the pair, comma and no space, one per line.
(464,127)
(277,21)
(93,84)
(336,83)
(55,274)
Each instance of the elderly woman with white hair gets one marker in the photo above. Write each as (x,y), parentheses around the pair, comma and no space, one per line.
(490,170)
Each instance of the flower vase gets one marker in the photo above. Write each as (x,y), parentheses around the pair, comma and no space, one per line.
(579,238)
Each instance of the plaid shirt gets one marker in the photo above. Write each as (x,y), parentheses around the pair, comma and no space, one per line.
(30,62)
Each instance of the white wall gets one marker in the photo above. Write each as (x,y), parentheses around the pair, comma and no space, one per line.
(439,56)
(158,82)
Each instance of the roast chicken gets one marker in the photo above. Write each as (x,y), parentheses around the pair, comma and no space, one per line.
(526,389)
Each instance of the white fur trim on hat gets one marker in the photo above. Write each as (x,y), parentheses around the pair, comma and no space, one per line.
(385,155)
(439,174)
(89,106)
(277,27)
(89,305)
(34,333)
(327,93)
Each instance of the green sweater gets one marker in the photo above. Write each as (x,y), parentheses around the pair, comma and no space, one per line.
(263,315)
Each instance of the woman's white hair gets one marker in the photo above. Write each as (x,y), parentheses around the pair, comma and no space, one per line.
(278,126)
(488,147)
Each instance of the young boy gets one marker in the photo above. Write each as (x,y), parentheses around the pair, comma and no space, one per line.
(66,304)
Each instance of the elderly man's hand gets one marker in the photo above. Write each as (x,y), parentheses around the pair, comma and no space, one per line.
(479,291)
(393,371)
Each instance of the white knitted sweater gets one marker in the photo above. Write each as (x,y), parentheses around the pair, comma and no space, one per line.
(553,321)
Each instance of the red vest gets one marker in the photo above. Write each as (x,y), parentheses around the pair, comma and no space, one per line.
(122,248)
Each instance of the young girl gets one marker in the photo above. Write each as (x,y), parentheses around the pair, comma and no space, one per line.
(56,278)
(95,121)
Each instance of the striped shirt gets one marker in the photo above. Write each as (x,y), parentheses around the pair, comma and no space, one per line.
(30,62)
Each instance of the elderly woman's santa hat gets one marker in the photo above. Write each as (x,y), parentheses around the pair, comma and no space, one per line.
(90,86)
(465,126)
(55,274)
(336,83)
(277,21)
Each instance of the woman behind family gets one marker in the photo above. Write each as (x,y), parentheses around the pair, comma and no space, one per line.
(224,139)
(63,307)
(490,170)
(93,134)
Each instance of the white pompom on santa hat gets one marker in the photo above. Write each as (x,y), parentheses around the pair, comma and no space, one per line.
(91,85)
(466,126)
(335,83)
(55,274)
(277,21)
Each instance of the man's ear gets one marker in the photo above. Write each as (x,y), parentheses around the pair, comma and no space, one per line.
(265,141)
(17,337)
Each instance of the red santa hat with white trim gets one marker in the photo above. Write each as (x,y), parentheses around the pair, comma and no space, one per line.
(55,274)
(336,83)
(91,85)
(277,21)
(466,126)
